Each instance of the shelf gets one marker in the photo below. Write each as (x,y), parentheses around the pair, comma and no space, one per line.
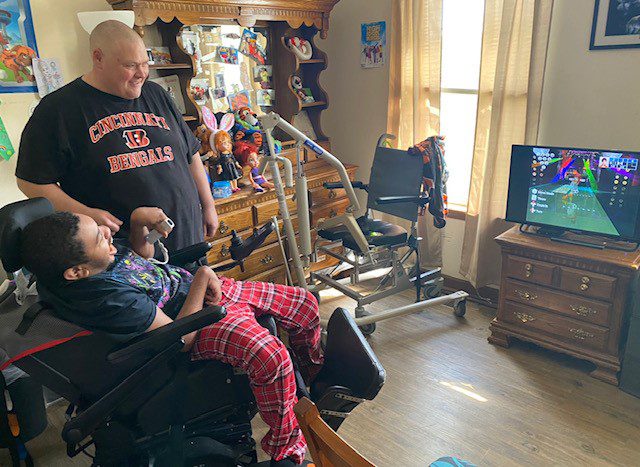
(189,118)
(171,66)
(313,104)
(313,60)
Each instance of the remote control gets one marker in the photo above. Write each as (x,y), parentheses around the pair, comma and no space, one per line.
(154,235)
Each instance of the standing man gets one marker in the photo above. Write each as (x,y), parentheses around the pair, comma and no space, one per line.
(111,141)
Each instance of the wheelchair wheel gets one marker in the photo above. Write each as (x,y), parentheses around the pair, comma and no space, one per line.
(431,291)
(366,329)
(460,308)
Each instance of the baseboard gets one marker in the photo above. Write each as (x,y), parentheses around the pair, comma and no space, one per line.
(486,295)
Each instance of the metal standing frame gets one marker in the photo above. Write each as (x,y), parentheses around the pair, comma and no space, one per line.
(368,257)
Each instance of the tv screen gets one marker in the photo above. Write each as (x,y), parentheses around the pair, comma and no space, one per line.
(585,190)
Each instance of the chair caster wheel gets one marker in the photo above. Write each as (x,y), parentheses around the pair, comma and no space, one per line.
(366,329)
(460,308)
(431,290)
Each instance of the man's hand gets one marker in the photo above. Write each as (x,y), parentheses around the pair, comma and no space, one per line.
(105,218)
(213,284)
(209,221)
(151,218)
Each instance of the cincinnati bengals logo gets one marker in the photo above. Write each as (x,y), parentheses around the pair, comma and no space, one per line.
(136,139)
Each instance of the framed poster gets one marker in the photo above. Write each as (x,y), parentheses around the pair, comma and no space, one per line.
(616,25)
(18,43)
(373,44)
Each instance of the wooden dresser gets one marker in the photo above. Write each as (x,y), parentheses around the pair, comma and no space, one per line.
(246,210)
(568,298)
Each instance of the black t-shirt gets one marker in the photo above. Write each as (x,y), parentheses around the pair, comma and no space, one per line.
(116,154)
(121,300)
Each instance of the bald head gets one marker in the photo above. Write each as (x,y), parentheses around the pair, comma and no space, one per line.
(112,34)
(120,62)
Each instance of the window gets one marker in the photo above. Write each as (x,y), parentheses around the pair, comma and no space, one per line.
(462,22)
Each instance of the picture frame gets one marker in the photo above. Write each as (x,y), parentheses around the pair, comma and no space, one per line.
(615,25)
(159,56)
(19,48)
(171,84)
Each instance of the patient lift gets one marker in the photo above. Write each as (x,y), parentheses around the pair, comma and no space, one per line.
(371,244)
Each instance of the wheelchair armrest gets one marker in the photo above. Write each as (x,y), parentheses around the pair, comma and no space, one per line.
(420,200)
(152,342)
(190,254)
(354,184)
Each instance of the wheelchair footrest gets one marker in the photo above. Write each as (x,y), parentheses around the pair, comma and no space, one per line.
(351,371)
(335,404)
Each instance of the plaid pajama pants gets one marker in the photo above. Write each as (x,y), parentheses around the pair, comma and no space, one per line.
(239,340)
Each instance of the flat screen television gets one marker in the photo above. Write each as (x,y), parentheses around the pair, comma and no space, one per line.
(588,191)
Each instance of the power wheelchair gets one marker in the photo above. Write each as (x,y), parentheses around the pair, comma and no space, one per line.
(143,402)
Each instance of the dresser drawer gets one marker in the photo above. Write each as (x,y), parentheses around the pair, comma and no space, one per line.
(220,248)
(235,220)
(575,333)
(581,309)
(328,210)
(275,276)
(262,259)
(265,211)
(587,284)
(530,271)
(319,196)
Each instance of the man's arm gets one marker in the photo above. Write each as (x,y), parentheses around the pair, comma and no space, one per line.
(63,202)
(209,214)
(205,282)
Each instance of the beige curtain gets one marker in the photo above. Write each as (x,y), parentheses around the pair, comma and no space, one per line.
(414,90)
(514,46)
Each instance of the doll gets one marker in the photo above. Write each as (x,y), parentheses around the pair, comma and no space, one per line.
(248,154)
(203,133)
(227,166)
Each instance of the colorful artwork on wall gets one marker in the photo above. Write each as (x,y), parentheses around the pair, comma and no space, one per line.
(616,24)
(18,43)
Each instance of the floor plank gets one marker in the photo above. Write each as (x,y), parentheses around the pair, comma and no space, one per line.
(449,392)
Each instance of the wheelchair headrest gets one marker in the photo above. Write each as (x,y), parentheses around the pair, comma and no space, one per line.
(14,218)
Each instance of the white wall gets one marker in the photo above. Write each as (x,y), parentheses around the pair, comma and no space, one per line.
(591,98)
(58,35)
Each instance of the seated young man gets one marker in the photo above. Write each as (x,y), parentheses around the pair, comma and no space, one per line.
(91,282)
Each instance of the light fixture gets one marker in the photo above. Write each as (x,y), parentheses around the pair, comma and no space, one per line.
(90,19)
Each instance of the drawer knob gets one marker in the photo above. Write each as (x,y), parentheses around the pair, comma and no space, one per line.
(528,270)
(583,310)
(584,287)
(223,228)
(267,259)
(585,279)
(332,194)
(224,251)
(526,295)
(524,317)
(581,334)
(333,213)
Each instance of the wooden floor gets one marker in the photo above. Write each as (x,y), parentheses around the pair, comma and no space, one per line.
(449,392)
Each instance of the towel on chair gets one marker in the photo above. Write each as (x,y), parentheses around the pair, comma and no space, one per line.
(434,177)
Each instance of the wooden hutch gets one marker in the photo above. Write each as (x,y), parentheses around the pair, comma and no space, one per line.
(283,18)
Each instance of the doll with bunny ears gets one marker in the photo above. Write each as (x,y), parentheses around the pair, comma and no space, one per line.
(226,165)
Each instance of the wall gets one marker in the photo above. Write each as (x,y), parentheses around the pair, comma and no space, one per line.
(61,38)
(590,98)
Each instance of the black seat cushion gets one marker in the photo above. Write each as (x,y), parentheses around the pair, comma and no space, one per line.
(377,233)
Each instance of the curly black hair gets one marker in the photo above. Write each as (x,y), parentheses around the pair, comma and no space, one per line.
(50,246)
